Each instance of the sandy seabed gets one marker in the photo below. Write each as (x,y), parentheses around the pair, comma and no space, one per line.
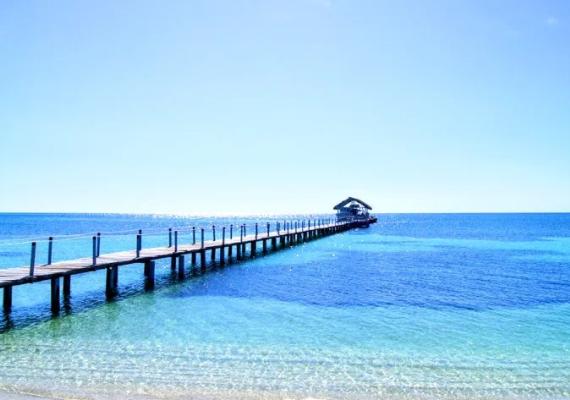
(33,395)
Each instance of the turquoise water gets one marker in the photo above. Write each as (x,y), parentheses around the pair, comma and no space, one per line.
(416,306)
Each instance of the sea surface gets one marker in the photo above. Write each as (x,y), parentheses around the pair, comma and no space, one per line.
(418,306)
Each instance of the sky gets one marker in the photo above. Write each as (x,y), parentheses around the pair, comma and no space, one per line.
(264,107)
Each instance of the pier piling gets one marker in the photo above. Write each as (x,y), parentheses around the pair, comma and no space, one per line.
(111,283)
(181,271)
(55,299)
(149,276)
(7,299)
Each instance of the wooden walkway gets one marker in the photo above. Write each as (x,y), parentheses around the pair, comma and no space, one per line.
(221,251)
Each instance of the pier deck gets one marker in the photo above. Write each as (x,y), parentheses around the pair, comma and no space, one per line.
(11,277)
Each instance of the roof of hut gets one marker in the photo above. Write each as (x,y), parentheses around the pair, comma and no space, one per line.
(350,200)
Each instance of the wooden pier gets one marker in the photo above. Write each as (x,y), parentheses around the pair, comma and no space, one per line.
(221,251)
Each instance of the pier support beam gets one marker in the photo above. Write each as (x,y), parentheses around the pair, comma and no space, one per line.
(238,248)
(213,255)
(149,267)
(222,255)
(7,304)
(55,298)
(264,243)
(273,243)
(252,249)
(111,289)
(193,257)
(173,263)
(203,260)
(230,255)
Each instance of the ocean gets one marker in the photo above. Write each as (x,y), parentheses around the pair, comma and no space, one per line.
(417,306)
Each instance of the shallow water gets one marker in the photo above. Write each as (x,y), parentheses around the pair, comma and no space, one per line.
(416,306)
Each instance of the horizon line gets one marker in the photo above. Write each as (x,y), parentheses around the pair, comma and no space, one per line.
(238,214)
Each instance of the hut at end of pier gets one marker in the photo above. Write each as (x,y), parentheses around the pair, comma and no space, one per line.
(352,209)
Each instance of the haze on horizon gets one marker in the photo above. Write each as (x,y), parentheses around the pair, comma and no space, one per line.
(270,107)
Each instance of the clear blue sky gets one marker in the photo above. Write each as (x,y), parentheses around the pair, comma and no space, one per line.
(284,106)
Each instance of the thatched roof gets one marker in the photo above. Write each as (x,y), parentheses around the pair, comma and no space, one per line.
(349,200)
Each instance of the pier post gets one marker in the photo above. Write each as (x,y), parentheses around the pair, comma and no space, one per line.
(111,282)
(243,243)
(193,258)
(173,263)
(33,259)
(149,280)
(256,229)
(193,235)
(169,237)
(7,304)
(202,238)
(181,267)
(139,244)
(50,250)
(213,255)
(98,244)
(273,243)
(214,232)
(222,249)
(231,231)
(175,241)
(230,251)
(94,250)
(55,299)
(66,287)
(264,246)
(268,228)
(238,251)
